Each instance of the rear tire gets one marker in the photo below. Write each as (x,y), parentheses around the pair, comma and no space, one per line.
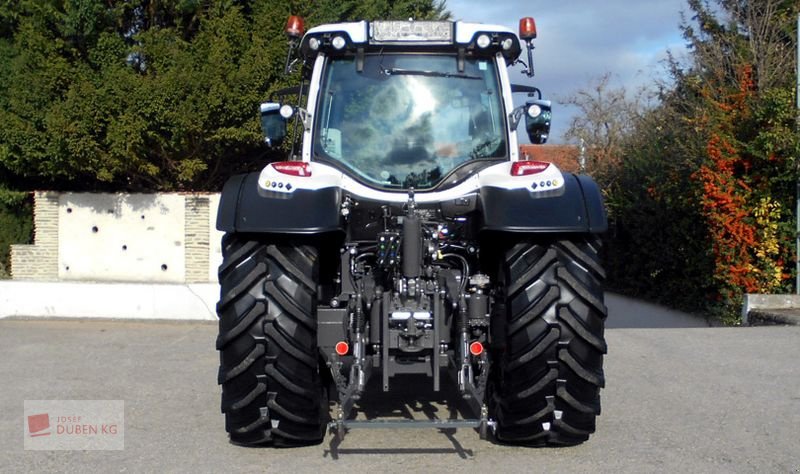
(550,344)
(269,363)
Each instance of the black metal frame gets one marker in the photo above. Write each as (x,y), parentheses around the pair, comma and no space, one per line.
(404,348)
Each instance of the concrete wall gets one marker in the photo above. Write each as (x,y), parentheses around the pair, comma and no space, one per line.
(756,302)
(154,238)
(108,300)
(108,237)
(215,242)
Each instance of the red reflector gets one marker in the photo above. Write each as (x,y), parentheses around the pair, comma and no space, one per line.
(476,348)
(527,28)
(293,168)
(294,27)
(525,168)
(342,348)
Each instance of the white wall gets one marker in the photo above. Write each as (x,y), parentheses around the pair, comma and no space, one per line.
(121,237)
(214,239)
(108,300)
(117,256)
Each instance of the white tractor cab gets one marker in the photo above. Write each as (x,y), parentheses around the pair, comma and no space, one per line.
(404,236)
(396,105)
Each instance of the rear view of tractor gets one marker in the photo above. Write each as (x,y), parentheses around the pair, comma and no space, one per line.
(404,235)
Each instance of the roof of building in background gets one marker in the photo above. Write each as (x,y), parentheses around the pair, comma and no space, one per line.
(566,157)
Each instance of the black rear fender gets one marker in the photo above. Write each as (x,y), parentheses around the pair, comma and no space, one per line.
(578,209)
(242,208)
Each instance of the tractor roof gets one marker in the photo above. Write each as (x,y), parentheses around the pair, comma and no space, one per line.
(468,39)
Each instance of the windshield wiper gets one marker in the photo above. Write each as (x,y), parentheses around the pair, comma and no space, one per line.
(415,72)
(485,147)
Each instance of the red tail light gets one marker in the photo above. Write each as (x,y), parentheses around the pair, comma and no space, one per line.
(525,168)
(476,348)
(294,27)
(342,348)
(527,28)
(293,168)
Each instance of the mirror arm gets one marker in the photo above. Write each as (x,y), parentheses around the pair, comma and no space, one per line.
(296,141)
(529,71)
(516,116)
(305,118)
(289,67)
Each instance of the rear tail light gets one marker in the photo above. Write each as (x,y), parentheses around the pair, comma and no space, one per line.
(526,168)
(342,348)
(476,348)
(293,168)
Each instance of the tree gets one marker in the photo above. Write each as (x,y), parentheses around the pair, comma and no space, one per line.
(606,117)
(755,32)
(144,94)
(716,162)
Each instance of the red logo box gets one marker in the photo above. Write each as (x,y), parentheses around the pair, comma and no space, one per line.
(37,424)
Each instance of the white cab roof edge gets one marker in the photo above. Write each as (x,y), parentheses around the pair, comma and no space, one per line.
(465,31)
(358,30)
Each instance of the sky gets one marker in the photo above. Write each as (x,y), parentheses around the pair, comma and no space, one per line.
(581,40)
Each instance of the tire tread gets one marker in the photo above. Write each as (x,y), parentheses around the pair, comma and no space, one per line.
(550,370)
(269,369)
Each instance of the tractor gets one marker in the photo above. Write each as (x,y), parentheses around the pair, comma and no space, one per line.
(405,240)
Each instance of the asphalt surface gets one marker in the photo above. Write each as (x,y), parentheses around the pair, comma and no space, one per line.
(680,396)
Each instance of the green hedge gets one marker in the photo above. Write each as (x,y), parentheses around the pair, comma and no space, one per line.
(16,226)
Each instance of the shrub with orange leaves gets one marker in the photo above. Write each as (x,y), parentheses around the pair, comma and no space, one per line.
(741,220)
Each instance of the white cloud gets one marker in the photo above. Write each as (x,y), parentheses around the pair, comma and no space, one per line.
(579,40)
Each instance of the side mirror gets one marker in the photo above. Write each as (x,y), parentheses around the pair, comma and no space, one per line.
(273,122)
(538,114)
